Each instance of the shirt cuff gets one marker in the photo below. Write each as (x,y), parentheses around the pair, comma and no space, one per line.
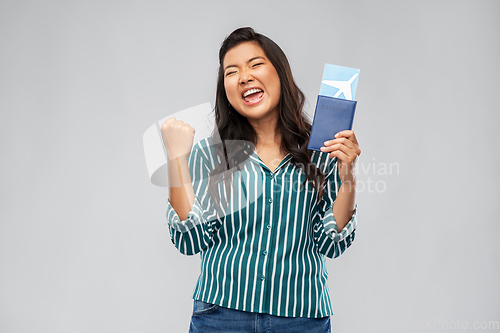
(330,225)
(194,218)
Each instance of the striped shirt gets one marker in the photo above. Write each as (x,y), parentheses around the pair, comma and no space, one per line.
(265,250)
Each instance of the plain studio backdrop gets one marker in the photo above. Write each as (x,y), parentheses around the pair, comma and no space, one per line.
(84,244)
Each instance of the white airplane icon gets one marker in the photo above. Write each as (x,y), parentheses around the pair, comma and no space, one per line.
(342,86)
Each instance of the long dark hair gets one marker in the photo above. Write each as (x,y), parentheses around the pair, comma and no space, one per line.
(292,125)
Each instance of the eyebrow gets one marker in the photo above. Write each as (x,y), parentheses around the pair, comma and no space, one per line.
(249,61)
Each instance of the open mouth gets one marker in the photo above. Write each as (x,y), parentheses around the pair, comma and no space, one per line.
(253,96)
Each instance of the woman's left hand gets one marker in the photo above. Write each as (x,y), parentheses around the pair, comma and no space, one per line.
(346,148)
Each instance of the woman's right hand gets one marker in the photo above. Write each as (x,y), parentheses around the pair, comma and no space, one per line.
(178,138)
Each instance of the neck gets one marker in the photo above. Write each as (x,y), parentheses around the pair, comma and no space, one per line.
(266,133)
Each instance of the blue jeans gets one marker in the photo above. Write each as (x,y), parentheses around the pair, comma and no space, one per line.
(210,318)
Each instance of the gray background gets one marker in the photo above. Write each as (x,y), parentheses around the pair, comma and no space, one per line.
(84,245)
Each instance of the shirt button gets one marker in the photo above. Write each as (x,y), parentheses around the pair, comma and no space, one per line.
(262,277)
(270,200)
(272,176)
(268,226)
(264,252)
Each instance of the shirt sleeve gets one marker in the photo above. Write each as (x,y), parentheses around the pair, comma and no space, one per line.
(195,233)
(330,242)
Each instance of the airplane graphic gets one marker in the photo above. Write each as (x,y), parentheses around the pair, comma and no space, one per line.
(344,87)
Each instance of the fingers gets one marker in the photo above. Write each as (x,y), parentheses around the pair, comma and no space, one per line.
(170,120)
(174,123)
(342,144)
(345,147)
(177,137)
(348,134)
(344,154)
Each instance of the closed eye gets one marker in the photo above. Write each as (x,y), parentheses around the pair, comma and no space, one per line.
(229,73)
(260,63)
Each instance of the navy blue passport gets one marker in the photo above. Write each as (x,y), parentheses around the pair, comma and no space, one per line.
(332,115)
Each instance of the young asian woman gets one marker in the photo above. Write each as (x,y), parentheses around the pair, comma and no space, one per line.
(262,210)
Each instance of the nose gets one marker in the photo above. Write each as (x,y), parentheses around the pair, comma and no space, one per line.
(245,77)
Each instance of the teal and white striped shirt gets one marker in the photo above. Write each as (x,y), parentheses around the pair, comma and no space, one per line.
(267,253)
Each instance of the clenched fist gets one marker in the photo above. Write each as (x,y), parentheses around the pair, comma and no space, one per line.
(178,137)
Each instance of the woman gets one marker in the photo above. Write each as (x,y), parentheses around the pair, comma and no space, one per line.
(261,209)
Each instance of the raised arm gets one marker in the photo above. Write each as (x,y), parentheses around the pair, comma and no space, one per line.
(190,213)
(335,222)
(346,148)
(178,139)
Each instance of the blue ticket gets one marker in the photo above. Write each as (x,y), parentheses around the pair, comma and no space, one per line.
(339,82)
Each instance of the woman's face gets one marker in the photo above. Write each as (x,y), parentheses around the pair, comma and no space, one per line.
(251,82)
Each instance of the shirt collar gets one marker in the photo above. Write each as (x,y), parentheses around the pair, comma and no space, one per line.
(256,159)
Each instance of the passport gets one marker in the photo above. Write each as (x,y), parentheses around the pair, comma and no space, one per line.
(332,115)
